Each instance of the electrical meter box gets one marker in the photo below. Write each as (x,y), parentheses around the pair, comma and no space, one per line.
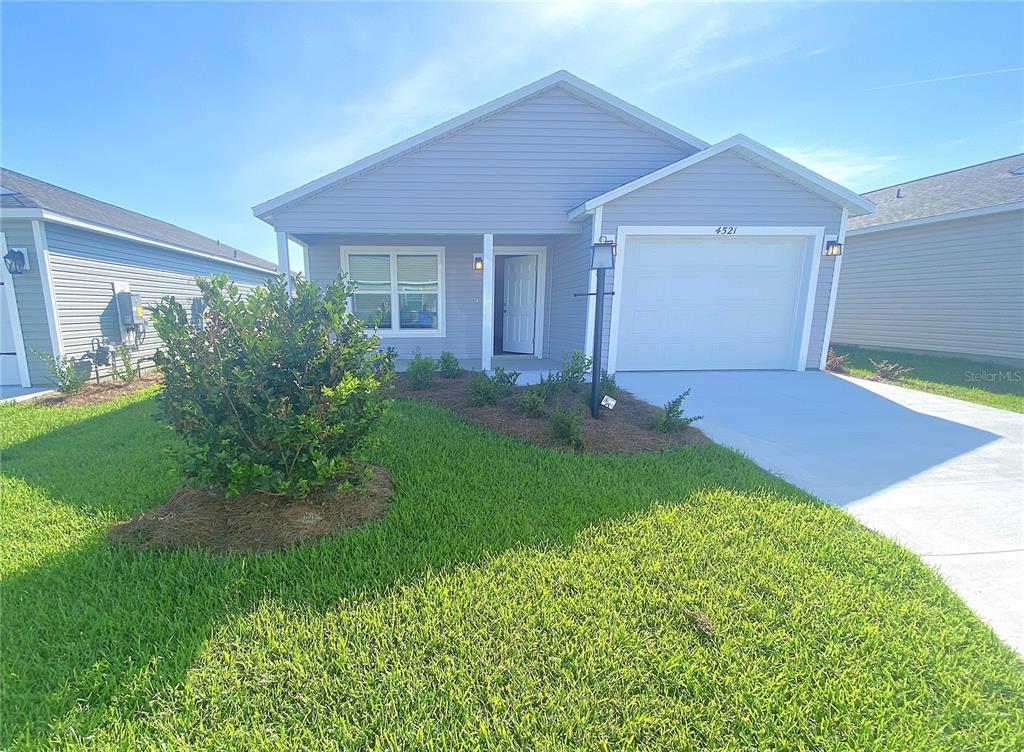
(129,309)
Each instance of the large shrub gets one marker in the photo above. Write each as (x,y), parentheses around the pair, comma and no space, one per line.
(272,392)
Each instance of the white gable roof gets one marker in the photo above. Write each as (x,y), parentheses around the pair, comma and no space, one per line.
(755,152)
(563,79)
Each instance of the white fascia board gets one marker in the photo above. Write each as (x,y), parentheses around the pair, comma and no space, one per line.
(965,214)
(563,78)
(61,219)
(759,154)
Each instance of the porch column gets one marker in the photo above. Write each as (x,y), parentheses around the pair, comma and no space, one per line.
(487,299)
(284,263)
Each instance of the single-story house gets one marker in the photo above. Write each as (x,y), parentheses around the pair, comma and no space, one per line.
(475,237)
(939,267)
(84,272)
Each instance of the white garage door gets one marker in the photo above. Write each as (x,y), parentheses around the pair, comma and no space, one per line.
(710,302)
(9,345)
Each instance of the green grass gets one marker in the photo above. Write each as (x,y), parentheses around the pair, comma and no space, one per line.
(989,384)
(513,597)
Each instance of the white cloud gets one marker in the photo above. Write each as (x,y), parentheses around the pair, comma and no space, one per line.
(947,78)
(860,169)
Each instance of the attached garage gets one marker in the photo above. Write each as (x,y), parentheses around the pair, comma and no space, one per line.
(699,299)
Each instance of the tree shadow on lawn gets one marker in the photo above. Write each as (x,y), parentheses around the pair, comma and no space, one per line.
(103,626)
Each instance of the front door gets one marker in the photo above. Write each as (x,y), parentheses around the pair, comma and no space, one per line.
(520,310)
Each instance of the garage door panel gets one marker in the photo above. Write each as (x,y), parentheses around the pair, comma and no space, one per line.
(710,303)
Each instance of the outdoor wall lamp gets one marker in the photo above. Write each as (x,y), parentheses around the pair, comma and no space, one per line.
(15,261)
(478,263)
(833,248)
(603,254)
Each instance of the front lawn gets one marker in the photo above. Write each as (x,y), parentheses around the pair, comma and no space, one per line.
(989,384)
(512,597)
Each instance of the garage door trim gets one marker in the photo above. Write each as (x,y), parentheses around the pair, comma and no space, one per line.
(814,240)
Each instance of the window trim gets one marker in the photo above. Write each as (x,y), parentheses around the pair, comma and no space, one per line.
(393,252)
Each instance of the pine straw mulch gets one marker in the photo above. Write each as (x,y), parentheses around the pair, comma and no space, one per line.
(93,393)
(626,428)
(258,521)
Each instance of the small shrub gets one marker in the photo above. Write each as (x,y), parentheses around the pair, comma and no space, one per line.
(567,427)
(121,366)
(483,390)
(670,418)
(886,371)
(608,385)
(420,371)
(449,366)
(66,374)
(531,402)
(505,379)
(575,366)
(276,392)
(835,362)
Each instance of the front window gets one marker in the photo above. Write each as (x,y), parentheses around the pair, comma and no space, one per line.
(402,289)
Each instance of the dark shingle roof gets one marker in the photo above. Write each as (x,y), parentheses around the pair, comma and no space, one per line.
(22,191)
(976,187)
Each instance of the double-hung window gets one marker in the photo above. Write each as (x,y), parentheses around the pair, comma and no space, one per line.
(402,288)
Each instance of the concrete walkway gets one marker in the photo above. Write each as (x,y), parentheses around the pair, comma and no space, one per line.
(942,477)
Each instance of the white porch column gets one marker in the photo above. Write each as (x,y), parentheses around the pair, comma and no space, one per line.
(487,300)
(834,290)
(284,262)
(595,235)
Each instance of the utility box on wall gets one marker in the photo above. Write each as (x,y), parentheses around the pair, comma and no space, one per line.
(129,308)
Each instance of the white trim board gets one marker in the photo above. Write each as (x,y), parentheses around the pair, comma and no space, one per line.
(540,303)
(757,153)
(965,214)
(561,78)
(814,240)
(61,219)
(46,280)
(833,293)
(595,235)
(393,252)
(11,295)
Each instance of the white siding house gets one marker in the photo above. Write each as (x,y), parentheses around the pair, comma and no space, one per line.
(940,268)
(79,251)
(477,236)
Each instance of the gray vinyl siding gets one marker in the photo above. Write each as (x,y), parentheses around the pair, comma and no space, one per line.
(518,170)
(35,326)
(952,287)
(84,264)
(570,274)
(730,190)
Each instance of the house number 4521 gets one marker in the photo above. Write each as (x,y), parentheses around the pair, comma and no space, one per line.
(725,231)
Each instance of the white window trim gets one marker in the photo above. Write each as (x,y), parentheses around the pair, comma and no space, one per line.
(540,302)
(393,251)
(815,237)
(13,316)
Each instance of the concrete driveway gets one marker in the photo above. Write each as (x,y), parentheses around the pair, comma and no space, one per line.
(942,477)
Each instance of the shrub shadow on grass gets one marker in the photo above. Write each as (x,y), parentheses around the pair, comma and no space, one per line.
(100,624)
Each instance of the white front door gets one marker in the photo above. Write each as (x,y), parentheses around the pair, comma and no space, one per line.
(520,309)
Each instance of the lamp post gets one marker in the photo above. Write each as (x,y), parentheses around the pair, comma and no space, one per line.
(602,259)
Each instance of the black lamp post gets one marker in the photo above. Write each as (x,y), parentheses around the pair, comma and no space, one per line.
(602,259)
(15,261)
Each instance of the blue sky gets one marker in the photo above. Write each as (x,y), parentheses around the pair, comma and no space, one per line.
(194,112)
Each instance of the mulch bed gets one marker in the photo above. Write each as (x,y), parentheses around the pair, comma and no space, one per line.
(197,518)
(92,393)
(627,428)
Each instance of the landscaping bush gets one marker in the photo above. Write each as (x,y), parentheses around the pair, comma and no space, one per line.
(483,390)
(835,362)
(66,374)
(886,371)
(532,402)
(567,427)
(420,371)
(449,366)
(505,380)
(121,366)
(575,366)
(275,393)
(608,384)
(670,418)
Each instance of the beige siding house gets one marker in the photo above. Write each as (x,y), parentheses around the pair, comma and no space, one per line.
(939,267)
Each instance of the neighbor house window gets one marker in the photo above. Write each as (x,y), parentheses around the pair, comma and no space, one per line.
(402,288)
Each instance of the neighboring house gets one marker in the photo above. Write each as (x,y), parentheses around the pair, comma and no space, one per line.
(939,267)
(476,236)
(78,254)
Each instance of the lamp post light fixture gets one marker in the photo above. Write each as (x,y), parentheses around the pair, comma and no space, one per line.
(15,261)
(832,248)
